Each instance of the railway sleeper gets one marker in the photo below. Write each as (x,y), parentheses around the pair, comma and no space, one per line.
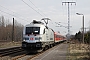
(10,52)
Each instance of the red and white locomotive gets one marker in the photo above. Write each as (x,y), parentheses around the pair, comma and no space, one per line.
(37,36)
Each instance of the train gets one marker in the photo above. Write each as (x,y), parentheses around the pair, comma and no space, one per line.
(37,36)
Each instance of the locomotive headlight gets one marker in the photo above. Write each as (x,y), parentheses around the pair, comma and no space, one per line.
(24,39)
(38,38)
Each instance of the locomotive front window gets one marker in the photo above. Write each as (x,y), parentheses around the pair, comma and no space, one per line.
(32,30)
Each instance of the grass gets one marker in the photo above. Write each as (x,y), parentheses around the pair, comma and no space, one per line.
(9,44)
(79,52)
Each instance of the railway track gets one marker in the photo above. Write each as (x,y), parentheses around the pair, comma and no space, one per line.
(26,57)
(30,56)
(18,53)
(9,51)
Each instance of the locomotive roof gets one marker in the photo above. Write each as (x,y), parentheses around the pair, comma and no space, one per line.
(37,22)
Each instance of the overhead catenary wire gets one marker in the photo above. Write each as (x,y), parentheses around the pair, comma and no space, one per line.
(37,8)
(13,15)
(6,8)
(32,8)
(44,14)
(11,10)
(7,13)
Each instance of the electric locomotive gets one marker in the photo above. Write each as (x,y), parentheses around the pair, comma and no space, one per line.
(37,36)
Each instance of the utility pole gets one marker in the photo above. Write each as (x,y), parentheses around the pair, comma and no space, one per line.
(83,25)
(68,16)
(13,31)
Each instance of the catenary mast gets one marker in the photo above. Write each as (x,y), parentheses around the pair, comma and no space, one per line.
(68,35)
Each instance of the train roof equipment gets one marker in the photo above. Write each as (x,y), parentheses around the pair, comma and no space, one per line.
(37,22)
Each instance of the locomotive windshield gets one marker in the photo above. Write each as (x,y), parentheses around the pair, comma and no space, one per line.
(32,30)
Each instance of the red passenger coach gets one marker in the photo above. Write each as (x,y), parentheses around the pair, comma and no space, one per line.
(58,37)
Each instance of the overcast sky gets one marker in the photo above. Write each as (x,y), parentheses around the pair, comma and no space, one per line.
(25,11)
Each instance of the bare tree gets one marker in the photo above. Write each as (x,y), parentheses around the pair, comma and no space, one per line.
(6,30)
